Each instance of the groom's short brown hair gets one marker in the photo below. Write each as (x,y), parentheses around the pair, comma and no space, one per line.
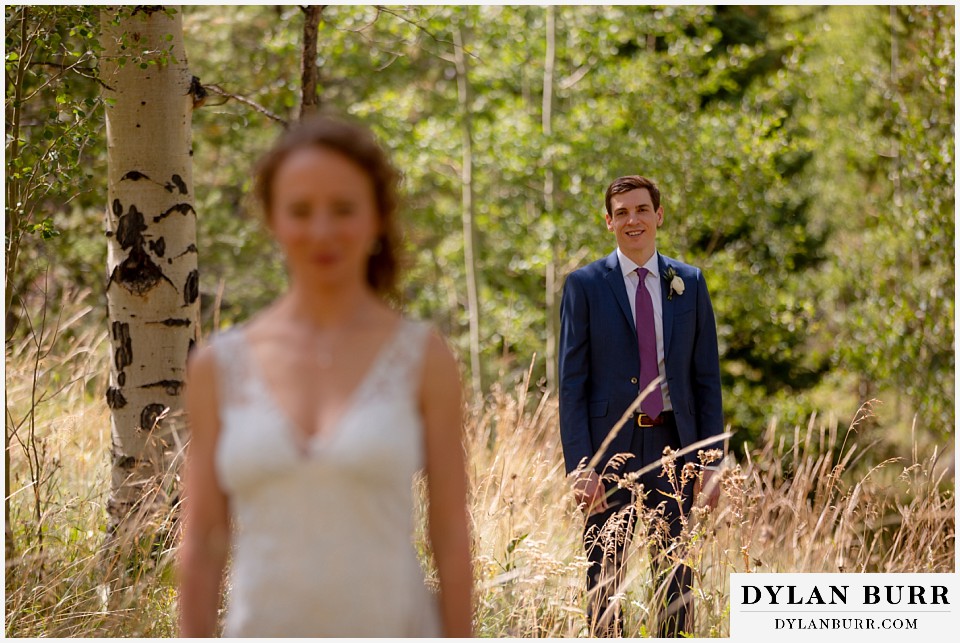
(630,183)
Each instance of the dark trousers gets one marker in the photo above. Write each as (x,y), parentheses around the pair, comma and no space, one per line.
(607,534)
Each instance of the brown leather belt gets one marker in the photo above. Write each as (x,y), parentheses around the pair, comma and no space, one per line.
(645,421)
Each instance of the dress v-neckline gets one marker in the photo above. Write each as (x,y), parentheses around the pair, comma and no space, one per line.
(303,440)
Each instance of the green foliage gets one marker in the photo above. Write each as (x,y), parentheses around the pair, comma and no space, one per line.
(892,281)
(736,111)
(52,143)
(806,159)
(795,171)
(228,139)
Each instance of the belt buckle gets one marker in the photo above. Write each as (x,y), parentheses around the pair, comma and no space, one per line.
(640,418)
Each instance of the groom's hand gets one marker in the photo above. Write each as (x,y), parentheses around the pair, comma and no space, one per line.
(589,492)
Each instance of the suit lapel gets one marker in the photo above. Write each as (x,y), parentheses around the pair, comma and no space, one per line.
(614,278)
(667,305)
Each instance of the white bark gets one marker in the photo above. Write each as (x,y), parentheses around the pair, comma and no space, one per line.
(152,290)
(467,207)
(546,122)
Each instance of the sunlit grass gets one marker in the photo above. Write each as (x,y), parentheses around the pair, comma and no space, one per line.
(813,498)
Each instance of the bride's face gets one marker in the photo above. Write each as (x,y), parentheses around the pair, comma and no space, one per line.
(323,214)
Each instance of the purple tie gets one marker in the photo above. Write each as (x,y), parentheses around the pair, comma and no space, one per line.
(651,405)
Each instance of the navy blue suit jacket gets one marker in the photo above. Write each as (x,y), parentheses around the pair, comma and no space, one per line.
(600,361)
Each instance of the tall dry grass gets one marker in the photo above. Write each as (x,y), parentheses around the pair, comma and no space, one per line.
(58,579)
(808,499)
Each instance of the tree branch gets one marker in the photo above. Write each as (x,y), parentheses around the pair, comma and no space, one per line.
(86,72)
(420,27)
(216,89)
(63,71)
(575,77)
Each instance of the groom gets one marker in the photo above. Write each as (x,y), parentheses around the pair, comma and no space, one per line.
(626,320)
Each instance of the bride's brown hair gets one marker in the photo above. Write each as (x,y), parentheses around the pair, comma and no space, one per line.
(358,144)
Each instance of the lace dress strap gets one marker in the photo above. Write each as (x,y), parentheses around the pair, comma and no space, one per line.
(233,364)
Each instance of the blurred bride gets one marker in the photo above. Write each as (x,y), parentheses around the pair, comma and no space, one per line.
(310,421)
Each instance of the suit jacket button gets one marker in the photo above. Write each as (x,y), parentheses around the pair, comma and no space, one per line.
(633,380)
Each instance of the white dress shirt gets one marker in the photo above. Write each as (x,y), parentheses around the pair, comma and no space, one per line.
(652,282)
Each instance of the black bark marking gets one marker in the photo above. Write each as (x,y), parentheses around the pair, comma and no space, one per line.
(142,103)
(191,346)
(150,415)
(122,379)
(158,247)
(124,462)
(130,228)
(137,273)
(182,208)
(191,248)
(179,183)
(134,175)
(173,322)
(148,9)
(191,289)
(199,93)
(123,356)
(115,398)
(117,207)
(172,387)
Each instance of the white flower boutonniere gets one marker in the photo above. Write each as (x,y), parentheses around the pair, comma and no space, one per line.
(676,283)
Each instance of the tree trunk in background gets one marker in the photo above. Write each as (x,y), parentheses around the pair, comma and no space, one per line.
(548,201)
(310,102)
(469,225)
(14,233)
(153,285)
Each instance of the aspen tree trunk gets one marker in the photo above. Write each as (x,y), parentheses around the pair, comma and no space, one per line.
(153,285)
(894,81)
(551,312)
(467,205)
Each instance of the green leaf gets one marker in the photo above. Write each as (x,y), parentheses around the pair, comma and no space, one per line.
(515,542)
(45,228)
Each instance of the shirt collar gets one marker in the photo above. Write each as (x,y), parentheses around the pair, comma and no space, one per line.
(627,266)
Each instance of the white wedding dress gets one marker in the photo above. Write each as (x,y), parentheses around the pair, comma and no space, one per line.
(322,528)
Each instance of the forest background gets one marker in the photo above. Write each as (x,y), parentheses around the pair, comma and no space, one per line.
(806,161)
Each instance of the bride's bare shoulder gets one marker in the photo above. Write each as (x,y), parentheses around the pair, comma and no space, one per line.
(441,369)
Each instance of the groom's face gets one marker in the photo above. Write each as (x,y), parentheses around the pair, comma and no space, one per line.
(634,222)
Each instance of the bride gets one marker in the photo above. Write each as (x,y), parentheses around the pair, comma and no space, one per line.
(310,421)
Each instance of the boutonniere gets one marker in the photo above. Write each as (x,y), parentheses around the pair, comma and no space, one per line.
(676,283)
